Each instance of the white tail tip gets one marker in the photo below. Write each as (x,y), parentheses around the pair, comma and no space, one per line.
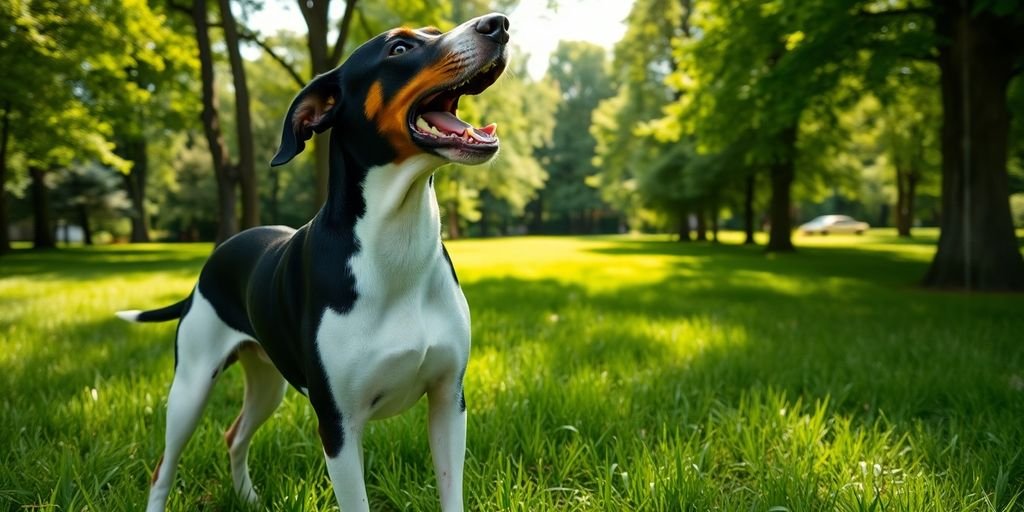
(131,315)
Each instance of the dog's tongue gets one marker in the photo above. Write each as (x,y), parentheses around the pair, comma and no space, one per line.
(448,122)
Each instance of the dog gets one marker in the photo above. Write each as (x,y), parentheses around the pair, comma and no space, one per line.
(360,310)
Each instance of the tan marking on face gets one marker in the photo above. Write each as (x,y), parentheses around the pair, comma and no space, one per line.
(374,99)
(403,32)
(392,118)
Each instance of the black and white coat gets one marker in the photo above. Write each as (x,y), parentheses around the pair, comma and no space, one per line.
(360,309)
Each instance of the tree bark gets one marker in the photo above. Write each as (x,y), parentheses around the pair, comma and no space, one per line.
(782,175)
(748,210)
(246,166)
(977,245)
(134,149)
(227,224)
(5,134)
(42,227)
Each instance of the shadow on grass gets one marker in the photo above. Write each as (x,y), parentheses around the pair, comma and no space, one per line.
(89,263)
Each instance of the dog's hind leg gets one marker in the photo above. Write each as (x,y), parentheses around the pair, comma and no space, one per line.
(203,345)
(264,390)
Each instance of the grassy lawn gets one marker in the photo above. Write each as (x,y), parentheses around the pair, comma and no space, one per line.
(608,373)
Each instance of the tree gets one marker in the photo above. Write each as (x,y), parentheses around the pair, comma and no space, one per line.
(980,50)
(87,193)
(245,168)
(579,71)
(54,54)
(627,150)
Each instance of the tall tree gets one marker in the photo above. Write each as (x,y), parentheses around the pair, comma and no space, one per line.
(246,165)
(981,49)
(225,174)
(579,70)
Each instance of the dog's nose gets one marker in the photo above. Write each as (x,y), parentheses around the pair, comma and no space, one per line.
(494,26)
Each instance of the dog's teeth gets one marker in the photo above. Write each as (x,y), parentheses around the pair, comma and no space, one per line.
(435,131)
(422,124)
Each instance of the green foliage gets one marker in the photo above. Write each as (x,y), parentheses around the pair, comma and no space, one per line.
(579,70)
(606,374)
(623,126)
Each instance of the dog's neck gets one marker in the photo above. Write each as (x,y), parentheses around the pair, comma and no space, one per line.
(390,209)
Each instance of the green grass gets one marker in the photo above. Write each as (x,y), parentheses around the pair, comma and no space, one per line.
(607,373)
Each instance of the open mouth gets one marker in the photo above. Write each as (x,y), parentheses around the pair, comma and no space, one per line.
(434,122)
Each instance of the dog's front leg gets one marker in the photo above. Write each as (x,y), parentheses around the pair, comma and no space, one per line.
(346,472)
(448,441)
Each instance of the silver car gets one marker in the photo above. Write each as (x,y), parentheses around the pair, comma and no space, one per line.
(827,224)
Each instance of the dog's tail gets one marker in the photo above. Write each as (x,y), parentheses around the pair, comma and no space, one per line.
(154,315)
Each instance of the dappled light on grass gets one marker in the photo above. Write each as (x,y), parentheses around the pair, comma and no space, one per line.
(607,373)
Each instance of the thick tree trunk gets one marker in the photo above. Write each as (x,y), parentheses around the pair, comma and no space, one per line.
(227,224)
(83,221)
(782,175)
(977,246)
(42,227)
(5,133)
(684,225)
(134,149)
(748,210)
(246,167)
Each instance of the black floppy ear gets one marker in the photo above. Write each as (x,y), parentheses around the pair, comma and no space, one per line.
(313,110)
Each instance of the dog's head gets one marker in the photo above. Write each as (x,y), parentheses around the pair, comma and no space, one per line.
(398,95)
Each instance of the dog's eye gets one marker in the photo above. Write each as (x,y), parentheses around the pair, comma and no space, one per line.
(400,48)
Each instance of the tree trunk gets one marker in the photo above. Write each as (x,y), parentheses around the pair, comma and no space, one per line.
(246,166)
(906,188)
(227,224)
(702,225)
(83,221)
(977,246)
(134,149)
(748,210)
(782,175)
(5,235)
(323,59)
(684,225)
(42,228)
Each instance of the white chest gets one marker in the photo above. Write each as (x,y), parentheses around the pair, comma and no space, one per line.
(381,356)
